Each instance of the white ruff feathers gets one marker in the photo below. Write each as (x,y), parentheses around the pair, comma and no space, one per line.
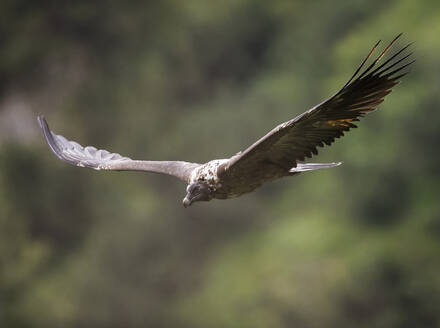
(207,172)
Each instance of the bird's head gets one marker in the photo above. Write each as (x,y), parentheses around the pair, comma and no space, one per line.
(196,192)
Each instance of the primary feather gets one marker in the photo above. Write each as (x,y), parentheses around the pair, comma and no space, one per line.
(298,139)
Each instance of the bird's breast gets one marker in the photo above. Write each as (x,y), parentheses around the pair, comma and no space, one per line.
(223,186)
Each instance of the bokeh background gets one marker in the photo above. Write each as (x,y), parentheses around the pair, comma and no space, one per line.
(355,246)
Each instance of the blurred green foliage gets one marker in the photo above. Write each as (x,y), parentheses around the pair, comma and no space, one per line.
(355,246)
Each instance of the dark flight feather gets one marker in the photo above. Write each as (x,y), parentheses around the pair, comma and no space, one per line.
(298,139)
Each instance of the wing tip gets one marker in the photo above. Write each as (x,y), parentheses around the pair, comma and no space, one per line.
(45,127)
(50,138)
(41,121)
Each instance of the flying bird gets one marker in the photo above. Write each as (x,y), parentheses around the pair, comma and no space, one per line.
(279,153)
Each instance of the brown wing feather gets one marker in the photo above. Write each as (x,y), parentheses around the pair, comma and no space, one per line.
(298,139)
(99,159)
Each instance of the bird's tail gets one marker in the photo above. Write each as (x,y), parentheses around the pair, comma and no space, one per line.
(302,167)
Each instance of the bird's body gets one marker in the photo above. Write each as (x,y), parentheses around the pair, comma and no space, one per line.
(279,153)
(222,184)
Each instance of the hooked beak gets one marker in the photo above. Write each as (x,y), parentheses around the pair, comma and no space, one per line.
(186,201)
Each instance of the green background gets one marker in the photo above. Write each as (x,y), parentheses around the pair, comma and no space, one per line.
(354,246)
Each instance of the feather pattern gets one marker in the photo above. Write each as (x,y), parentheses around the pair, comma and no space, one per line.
(299,138)
(100,159)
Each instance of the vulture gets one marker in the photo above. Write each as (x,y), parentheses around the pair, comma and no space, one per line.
(280,153)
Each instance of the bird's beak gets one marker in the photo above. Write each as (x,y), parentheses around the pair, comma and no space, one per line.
(186,202)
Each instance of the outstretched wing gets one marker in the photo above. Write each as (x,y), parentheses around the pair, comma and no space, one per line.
(298,139)
(99,159)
